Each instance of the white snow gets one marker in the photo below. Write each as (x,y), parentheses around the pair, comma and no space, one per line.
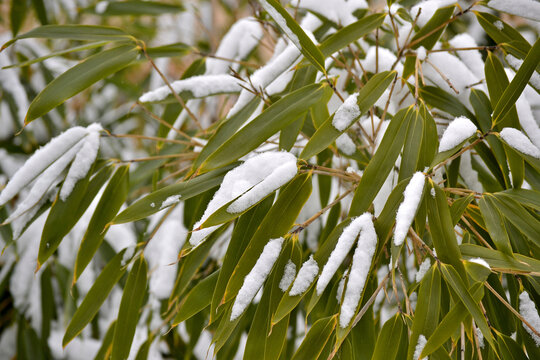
(421,53)
(242,181)
(347,113)
(82,163)
(343,246)
(424,267)
(527,309)
(345,144)
(171,200)
(529,9)
(480,261)
(480,337)
(256,277)
(162,252)
(277,178)
(265,75)
(527,121)
(101,7)
(516,63)
(341,286)
(237,44)
(282,23)
(499,25)
(419,347)
(407,209)
(338,11)
(459,130)
(361,263)
(41,160)
(199,87)
(471,58)
(44,182)
(289,273)
(305,277)
(519,141)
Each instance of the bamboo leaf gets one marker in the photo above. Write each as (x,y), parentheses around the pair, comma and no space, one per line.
(273,119)
(128,314)
(65,214)
(73,32)
(368,95)
(499,260)
(197,299)
(80,77)
(137,7)
(316,339)
(454,281)
(518,83)
(152,203)
(99,291)
(495,224)
(381,163)
(276,223)
(113,197)
(294,32)
(393,332)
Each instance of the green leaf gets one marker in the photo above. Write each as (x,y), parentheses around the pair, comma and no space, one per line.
(106,343)
(411,151)
(382,162)
(59,53)
(520,80)
(65,214)
(128,314)
(509,348)
(393,332)
(506,36)
(113,197)
(495,224)
(152,202)
(291,28)
(244,229)
(368,95)
(276,223)
(197,299)
(316,339)
(456,283)
(351,33)
(139,8)
(427,308)
(428,35)
(438,98)
(499,261)
(17,14)
(99,291)
(273,119)
(73,32)
(497,82)
(526,197)
(169,50)
(451,321)
(519,216)
(80,77)
(442,230)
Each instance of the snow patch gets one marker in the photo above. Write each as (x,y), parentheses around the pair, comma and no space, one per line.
(305,277)
(407,209)
(459,130)
(519,141)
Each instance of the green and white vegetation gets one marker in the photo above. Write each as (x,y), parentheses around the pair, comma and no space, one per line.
(305,179)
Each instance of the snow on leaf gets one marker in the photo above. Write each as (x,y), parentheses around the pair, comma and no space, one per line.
(419,347)
(305,277)
(361,263)
(256,277)
(199,86)
(41,160)
(346,113)
(407,209)
(520,142)
(424,267)
(81,164)
(252,181)
(527,309)
(289,273)
(459,130)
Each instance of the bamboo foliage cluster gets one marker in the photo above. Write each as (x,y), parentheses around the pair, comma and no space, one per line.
(369,191)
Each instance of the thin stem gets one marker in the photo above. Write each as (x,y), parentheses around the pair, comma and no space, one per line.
(514,311)
(163,122)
